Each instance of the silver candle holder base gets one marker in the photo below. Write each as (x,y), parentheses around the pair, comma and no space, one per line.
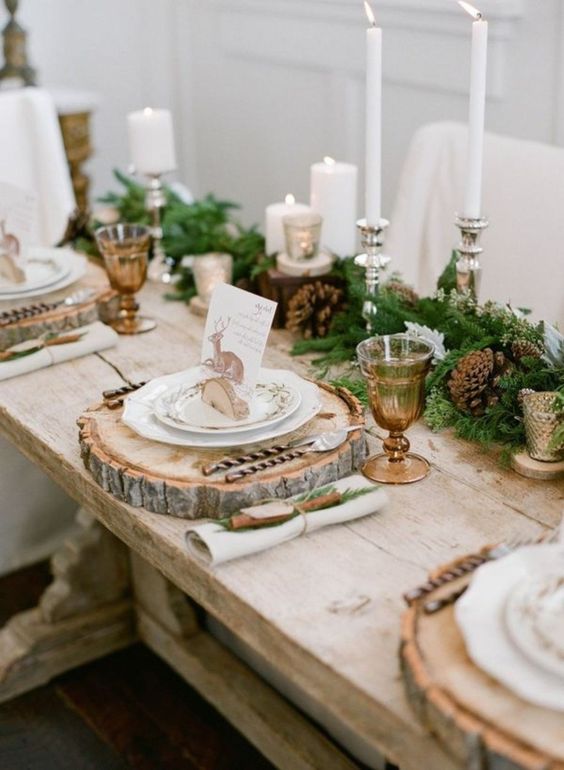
(372,240)
(160,267)
(468,267)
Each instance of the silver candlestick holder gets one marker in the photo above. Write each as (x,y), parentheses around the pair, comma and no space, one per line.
(468,267)
(372,240)
(160,268)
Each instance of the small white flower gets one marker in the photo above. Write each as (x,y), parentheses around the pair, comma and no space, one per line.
(433,336)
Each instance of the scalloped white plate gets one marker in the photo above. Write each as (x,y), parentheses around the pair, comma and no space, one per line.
(139,413)
(181,407)
(73,268)
(481,616)
(534,614)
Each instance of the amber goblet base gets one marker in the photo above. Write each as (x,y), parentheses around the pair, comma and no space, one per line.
(128,322)
(381,469)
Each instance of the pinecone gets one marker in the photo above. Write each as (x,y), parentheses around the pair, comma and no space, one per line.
(473,383)
(405,293)
(525,349)
(312,309)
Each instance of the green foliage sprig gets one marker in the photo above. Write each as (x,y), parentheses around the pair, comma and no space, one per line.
(192,229)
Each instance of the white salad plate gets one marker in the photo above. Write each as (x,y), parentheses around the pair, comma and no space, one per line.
(64,265)
(40,272)
(534,614)
(139,412)
(182,407)
(482,615)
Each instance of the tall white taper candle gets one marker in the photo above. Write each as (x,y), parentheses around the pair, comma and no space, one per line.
(373,188)
(477,110)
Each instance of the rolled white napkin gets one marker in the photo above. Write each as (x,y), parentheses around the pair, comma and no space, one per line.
(213,544)
(96,336)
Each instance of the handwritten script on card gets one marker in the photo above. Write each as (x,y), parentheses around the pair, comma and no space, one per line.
(235,336)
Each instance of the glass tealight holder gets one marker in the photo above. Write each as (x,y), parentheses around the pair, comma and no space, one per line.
(395,367)
(210,270)
(303,234)
(125,250)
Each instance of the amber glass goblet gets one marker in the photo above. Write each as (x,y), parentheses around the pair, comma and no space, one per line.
(125,249)
(395,367)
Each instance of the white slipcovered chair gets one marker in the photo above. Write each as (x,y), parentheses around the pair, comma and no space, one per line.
(35,514)
(523,197)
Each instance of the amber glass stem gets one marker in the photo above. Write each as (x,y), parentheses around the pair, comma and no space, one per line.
(396,446)
(128,308)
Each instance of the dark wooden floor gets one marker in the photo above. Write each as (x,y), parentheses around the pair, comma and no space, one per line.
(126,711)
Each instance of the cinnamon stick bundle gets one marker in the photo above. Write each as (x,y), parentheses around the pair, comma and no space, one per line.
(244,520)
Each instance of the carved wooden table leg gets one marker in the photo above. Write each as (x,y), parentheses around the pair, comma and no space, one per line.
(84,614)
(168,624)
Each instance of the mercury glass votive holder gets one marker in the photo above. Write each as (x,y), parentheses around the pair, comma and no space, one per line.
(303,234)
(395,367)
(210,270)
(541,422)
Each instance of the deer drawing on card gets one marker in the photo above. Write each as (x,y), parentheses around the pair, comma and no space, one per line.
(224,362)
(9,244)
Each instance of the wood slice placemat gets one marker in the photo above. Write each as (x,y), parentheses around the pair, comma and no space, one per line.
(482,723)
(168,479)
(102,306)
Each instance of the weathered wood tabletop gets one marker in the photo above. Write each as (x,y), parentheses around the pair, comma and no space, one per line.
(324,609)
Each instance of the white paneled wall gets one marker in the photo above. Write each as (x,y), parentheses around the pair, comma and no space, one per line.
(105,47)
(263,88)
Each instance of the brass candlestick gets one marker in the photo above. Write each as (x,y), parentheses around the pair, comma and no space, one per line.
(468,268)
(372,240)
(14,36)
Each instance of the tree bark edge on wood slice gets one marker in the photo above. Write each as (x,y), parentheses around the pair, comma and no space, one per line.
(61,319)
(124,464)
(468,736)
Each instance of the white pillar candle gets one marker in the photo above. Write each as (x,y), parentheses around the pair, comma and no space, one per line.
(151,141)
(333,195)
(477,110)
(373,204)
(275,241)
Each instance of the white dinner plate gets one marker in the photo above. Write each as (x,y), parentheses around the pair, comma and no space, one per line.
(40,272)
(534,614)
(139,414)
(481,617)
(182,407)
(74,263)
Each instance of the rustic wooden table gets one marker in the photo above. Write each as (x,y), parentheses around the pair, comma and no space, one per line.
(324,609)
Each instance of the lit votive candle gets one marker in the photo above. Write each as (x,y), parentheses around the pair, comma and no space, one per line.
(274,227)
(302,234)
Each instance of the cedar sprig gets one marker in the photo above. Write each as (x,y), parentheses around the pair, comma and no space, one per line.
(346,497)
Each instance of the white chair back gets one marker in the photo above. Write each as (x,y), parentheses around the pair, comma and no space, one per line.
(523,197)
(35,514)
(32,156)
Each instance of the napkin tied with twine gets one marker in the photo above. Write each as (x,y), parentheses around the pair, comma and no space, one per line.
(213,543)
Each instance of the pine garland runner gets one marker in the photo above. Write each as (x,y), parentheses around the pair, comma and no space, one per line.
(467,327)
(207,225)
(196,228)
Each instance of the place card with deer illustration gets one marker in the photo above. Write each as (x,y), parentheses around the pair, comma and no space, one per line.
(237,328)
